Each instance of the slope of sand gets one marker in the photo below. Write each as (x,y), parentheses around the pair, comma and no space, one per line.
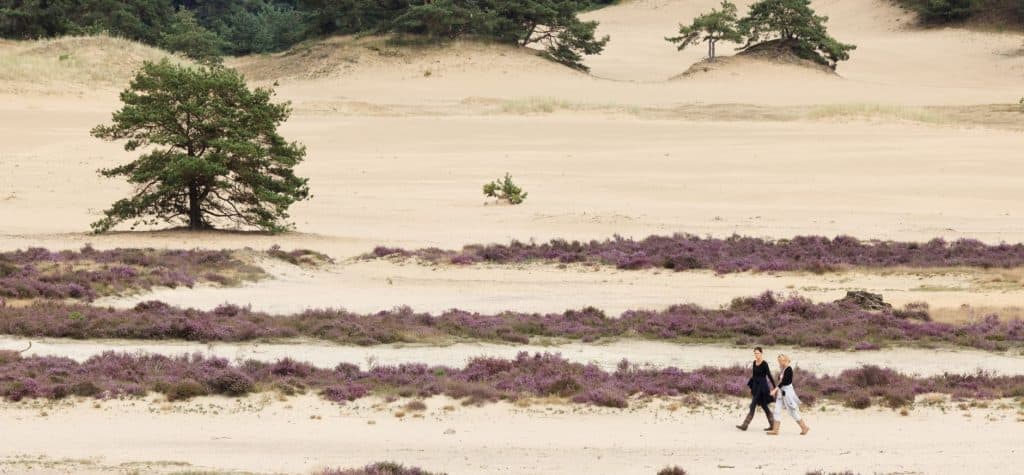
(303,434)
(607,355)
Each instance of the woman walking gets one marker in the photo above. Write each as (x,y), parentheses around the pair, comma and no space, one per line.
(788,398)
(762,386)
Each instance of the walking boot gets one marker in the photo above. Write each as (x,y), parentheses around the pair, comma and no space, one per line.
(775,428)
(746,422)
(803,427)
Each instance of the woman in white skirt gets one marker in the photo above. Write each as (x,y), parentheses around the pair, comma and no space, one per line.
(786,398)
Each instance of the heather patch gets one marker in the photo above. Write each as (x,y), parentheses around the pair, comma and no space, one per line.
(768,319)
(380,468)
(481,380)
(37,273)
(682,252)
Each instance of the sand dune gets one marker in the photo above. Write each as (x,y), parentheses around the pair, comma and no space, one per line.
(917,136)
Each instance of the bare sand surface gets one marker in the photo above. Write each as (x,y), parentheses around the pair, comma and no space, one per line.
(416,181)
(305,433)
(371,286)
(607,355)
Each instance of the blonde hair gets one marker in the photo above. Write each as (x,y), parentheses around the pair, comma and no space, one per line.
(783,357)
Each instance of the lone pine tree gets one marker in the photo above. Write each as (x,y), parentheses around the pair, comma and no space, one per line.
(212,151)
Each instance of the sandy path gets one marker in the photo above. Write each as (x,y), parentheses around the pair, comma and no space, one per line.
(285,437)
(371,286)
(922,362)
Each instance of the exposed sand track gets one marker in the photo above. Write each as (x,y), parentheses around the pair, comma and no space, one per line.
(371,286)
(302,434)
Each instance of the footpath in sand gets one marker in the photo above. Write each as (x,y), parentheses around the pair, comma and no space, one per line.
(304,433)
(372,286)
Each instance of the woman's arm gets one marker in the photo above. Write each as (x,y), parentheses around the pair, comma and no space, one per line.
(768,371)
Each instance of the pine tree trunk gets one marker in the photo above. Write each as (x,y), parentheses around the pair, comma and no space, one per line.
(195,214)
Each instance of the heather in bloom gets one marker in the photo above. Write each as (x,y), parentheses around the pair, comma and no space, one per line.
(733,254)
(380,468)
(37,273)
(768,319)
(481,380)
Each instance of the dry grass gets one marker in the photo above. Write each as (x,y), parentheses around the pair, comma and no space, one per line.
(84,61)
(878,112)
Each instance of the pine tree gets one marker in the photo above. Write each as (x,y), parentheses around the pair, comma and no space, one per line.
(213,154)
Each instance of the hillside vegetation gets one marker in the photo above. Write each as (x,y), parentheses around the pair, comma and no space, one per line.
(84,61)
(998,13)
(207,30)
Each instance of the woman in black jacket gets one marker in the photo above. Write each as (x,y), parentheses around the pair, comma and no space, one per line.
(761,385)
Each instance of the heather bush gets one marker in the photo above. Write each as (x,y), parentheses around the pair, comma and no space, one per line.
(766,319)
(380,468)
(299,257)
(673,470)
(231,382)
(181,390)
(735,254)
(481,380)
(37,273)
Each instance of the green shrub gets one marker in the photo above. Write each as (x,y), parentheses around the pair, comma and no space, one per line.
(944,11)
(188,37)
(505,189)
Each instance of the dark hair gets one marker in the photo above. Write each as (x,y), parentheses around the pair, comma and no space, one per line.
(758,349)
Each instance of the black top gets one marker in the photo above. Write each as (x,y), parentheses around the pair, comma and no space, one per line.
(787,377)
(761,383)
(762,370)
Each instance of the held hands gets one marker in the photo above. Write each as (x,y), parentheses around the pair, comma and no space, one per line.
(775,392)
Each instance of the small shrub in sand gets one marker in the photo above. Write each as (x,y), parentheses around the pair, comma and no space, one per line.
(415,406)
(673,470)
(380,468)
(504,189)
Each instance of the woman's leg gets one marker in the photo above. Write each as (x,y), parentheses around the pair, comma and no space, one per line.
(795,412)
(750,416)
(771,421)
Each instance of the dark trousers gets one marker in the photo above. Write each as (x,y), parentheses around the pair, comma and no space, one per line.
(767,410)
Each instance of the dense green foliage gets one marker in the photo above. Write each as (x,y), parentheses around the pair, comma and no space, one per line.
(204,28)
(711,28)
(786,24)
(994,12)
(213,153)
(795,24)
(190,38)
